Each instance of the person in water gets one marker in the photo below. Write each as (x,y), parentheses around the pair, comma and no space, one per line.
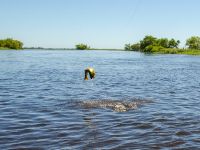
(89,71)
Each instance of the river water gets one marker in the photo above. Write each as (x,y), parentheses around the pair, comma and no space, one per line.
(41,92)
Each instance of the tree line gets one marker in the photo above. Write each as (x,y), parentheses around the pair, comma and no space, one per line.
(11,44)
(152,44)
(149,44)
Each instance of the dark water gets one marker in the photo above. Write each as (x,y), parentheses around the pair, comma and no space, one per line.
(40,92)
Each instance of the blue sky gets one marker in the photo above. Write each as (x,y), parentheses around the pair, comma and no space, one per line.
(98,23)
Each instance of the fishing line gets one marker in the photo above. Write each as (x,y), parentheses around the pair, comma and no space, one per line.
(133,11)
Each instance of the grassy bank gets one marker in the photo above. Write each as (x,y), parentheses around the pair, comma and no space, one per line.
(4,48)
(175,51)
(190,52)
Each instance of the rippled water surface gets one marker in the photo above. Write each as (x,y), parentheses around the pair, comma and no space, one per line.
(41,93)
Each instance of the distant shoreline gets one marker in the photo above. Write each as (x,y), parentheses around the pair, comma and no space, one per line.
(109,49)
(164,51)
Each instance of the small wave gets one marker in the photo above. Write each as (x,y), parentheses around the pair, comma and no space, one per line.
(183,133)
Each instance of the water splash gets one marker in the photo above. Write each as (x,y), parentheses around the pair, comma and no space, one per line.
(115,105)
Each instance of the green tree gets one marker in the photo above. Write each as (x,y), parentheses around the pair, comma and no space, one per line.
(127,46)
(173,43)
(164,42)
(148,40)
(82,46)
(193,42)
(135,47)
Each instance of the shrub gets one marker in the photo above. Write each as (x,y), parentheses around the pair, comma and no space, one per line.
(11,44)
(82,46)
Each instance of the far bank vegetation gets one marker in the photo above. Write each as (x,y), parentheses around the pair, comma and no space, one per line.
(151,44)
(10,43)
(82,47)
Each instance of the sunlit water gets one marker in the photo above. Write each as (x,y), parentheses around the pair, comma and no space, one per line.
(40,93)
